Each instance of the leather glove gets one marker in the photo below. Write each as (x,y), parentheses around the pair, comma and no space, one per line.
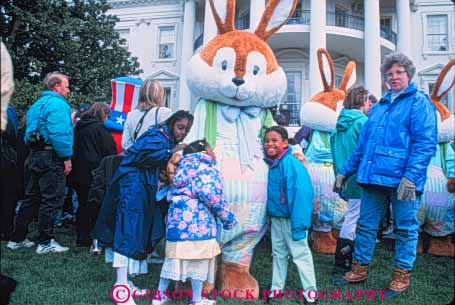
(451,185)
(406,190)
(340,183)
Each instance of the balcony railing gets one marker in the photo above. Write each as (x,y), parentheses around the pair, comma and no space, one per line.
(300,17)
(388,34)
(198,42)
(341,20)
(345,21)
(303,17)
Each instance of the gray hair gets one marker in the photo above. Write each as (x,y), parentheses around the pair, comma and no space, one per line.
(397,59)
(53,78)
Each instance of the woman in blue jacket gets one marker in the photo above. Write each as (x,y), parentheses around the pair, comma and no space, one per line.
(290,204)
(391,159)
(130,220)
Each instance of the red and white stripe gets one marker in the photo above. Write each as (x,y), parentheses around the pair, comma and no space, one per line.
(125,96)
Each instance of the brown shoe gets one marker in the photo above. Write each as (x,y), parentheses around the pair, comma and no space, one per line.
(441,246)
(401,280)
(357,274)
(323,242)
(237,278)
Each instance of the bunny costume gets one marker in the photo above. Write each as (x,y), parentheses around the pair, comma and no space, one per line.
(438,201)
(236,76)
(320,114)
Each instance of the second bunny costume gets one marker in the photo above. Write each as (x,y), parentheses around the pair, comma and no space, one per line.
(438,200)
(237,77)
(321,114)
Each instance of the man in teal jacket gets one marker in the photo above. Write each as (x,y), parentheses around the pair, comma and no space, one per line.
(49,134)
(343,141)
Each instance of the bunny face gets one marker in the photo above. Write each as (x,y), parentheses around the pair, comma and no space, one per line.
(321,113)
(238,69)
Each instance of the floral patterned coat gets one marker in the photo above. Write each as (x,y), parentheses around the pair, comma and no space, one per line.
(196,198)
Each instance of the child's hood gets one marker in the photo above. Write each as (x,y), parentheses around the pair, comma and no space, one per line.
(190,167)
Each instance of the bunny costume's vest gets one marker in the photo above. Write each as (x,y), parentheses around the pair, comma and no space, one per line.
(329,208)
(245,188)
(437,208)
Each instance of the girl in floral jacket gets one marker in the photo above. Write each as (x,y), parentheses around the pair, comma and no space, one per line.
(196,198)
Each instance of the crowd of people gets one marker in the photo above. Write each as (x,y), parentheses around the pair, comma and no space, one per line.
(127,203)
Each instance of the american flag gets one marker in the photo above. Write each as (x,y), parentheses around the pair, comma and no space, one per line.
(125,96)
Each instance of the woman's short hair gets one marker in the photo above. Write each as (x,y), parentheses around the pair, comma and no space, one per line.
(397,59)
(196,146)
(99,110)
(280,130)
(150,95)
(355,98)
(179,115)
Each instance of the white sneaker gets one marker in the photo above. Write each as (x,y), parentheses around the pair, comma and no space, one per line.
(52,246)
(164,299)
(204,301)
(94,248)
(22,244)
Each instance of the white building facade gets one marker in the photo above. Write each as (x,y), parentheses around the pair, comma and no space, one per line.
(164,34)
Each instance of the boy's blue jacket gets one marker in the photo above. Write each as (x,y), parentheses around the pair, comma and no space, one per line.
(51,115)
(290,193)
(398,140)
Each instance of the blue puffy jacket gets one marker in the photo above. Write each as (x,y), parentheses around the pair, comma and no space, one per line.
(51,116)
(130,220)
(398,140)
(290,193)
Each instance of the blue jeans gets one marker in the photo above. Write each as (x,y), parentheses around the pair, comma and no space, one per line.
(375,201)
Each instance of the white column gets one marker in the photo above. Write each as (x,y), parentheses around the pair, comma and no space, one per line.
(404,27)
(256,9)
(372,47)
(317,40)
(189,20)
(210,29)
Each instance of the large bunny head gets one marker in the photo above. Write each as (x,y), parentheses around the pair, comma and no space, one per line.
(239,68)
(446,121)
(321,112)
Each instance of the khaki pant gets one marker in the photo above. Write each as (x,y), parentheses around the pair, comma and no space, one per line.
(282,247)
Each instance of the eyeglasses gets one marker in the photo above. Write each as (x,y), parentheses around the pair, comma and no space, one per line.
(397,73)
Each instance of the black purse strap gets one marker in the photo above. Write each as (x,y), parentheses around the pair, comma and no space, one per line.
(141,122)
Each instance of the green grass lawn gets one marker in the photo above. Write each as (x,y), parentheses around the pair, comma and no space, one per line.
(76,278)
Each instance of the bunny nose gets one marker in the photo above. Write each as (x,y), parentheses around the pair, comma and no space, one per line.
(238,81)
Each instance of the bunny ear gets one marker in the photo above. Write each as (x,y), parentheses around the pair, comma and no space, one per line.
(445,81)
(349,76)
(275,15)
(224,14)
(326,69)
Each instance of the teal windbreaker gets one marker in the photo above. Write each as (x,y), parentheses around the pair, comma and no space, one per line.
(343,142)
(290,193)
(51,116)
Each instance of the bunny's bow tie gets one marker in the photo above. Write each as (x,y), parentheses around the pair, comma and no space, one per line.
(249,143)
